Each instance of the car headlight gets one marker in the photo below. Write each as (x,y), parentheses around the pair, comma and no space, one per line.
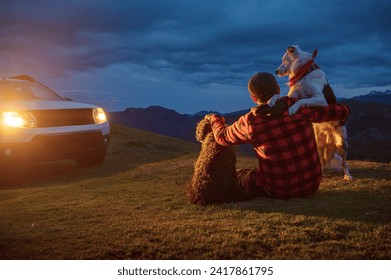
(99,115)
(18,119)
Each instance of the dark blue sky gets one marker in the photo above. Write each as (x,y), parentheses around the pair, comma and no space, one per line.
(190,55)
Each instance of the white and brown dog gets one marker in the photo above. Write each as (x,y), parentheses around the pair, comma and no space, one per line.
(309,83)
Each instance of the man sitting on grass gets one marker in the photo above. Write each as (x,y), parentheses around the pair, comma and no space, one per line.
(285,145)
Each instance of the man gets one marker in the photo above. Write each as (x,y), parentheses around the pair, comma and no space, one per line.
(285,145)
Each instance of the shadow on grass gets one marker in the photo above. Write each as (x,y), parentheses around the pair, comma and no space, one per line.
(18,175)
(366,206)
(365,173)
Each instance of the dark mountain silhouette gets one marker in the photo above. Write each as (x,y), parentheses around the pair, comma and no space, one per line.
(375,97)
(159,120)
(369,131)
(369,127)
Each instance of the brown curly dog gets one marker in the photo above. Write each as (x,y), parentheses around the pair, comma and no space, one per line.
(214,179)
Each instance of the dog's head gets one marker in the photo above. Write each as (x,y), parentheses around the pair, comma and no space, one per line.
(292,60)
(203,129)
(290,56)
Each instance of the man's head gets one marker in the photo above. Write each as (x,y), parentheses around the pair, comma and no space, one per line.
(262,86)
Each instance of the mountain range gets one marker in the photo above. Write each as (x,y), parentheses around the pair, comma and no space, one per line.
(375,97)
(369,129)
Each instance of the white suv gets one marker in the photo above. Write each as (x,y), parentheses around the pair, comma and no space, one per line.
(38,125)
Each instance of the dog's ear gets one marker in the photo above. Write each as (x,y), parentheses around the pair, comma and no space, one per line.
(291,49)
(203,128)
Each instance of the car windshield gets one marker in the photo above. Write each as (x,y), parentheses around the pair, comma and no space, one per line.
(25,91)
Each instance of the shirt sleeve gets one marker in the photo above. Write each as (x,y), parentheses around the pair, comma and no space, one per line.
(235,134)
(290,100)
(332,112)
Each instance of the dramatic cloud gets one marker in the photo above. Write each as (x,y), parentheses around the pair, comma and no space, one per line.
(189,55)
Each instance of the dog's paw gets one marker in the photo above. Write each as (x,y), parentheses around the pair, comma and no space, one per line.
(347,177)
(272,101)
(293,109)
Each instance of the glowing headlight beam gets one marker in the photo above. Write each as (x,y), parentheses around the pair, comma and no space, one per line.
(13,119)
(18,119)
(99,115)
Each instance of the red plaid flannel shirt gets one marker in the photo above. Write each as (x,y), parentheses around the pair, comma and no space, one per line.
(289,165)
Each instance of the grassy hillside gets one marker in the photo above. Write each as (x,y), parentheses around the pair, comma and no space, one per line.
(133,206)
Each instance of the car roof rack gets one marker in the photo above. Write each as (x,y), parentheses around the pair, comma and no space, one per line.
(23,77)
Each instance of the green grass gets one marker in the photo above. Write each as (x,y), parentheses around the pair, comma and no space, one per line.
(133,206)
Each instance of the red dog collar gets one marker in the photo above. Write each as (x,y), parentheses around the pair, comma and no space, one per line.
(307,68)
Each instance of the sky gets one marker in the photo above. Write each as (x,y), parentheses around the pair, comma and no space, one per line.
(190,55)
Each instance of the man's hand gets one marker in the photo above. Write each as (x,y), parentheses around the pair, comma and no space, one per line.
(208,117)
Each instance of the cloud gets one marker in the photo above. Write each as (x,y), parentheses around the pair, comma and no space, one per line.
(192,44)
